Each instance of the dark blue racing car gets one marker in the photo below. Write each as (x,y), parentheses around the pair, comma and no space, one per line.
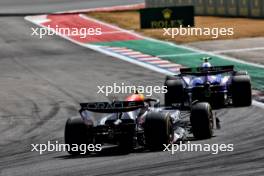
(218,85)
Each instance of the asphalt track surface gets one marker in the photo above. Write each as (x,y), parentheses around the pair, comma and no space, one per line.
(43,80)
(8,7)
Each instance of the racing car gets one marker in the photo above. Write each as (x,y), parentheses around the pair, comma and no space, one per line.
(136,122)
(218,85)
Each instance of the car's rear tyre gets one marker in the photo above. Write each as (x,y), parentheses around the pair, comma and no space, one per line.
(77,133)
(202,120)
(241,90)
(175,91)
(157,130)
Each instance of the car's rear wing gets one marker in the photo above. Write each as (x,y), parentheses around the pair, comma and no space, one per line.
(116,106)
(202,71)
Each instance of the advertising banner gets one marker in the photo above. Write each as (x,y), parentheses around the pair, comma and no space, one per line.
(167,17)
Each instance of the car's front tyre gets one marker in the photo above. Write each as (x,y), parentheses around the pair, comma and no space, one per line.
(202,120)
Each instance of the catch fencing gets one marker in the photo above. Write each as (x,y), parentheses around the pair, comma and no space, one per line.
(233,8)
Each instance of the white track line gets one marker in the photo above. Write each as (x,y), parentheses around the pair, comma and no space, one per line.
(238,50)
(149,59)
(181,54)
(177,69)
(132,53)
(214,52)
(159,62)
(122,50)
(142,56)
(170,65)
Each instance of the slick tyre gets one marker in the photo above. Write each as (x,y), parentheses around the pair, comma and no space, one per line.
(175,91)
(202,121)
(77,133)
(241,91)
(157,130)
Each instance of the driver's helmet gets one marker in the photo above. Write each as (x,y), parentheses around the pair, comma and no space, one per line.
(135,97)
(206,63)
